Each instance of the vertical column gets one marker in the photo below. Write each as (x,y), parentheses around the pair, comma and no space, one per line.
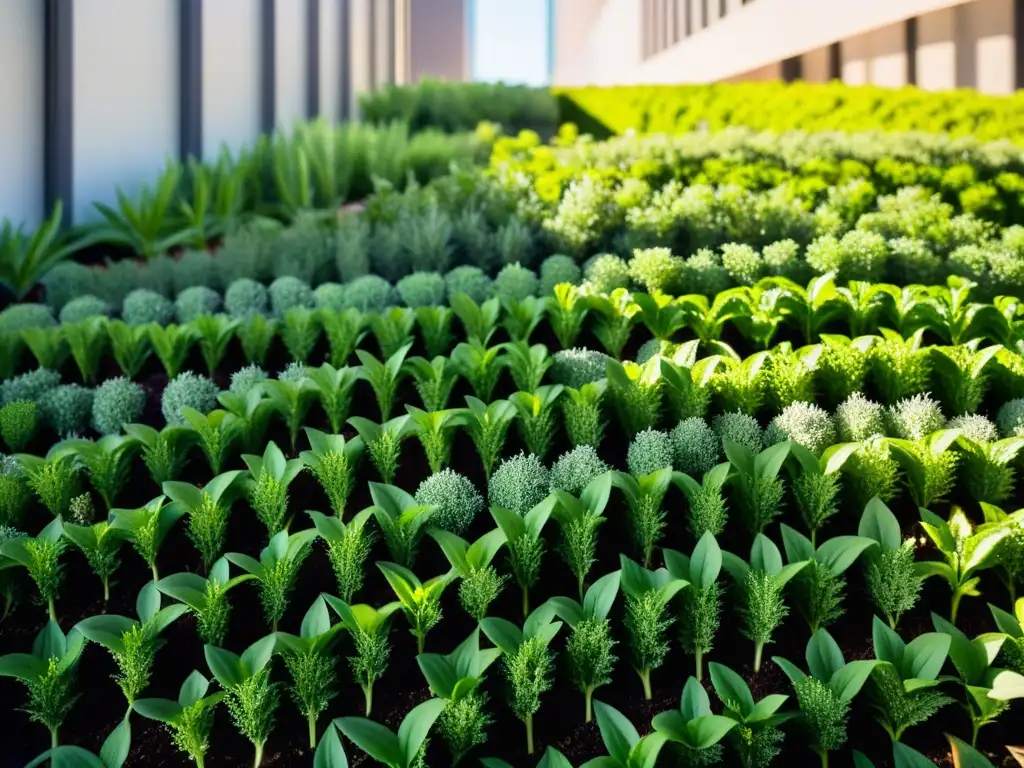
(791,69)
(191,78)
(58,160)
(345,76)
(910,46)
(835,61)
(268,68)
(372,37)
(312,58)
(1018,44)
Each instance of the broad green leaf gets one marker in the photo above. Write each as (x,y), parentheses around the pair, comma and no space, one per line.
(258,655)
(880,524)
(824,658)
(193,689)
(708,730)
(731,689)
(373,738)
(162,710)
(504,634)
(225,667)
(106,631)
(925,656)
(617,732)
(116,746)
(908,757)
(847,682)
(839,553)
(329,752)
(1007,685)
(416,726)
(705,564)
(966,756)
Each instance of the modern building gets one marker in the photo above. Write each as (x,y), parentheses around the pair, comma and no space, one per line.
(934,44)
(97,94)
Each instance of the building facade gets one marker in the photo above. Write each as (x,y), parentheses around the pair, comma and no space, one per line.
(98,94)
(934,44)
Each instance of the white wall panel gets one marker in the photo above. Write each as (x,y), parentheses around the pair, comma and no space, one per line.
(291,61)
(815,66)
(126,111)
(22,97)
(888,56)
(231,74)
(936,50)
(361,48)
(332,49)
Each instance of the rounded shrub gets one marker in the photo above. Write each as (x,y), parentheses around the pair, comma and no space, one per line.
(67,409)
(519,483)
(244,379)
(19,317)
(143,306)
(556,269)
(189,390)
(805,424)
(695,447)
(578,366)
(740,428)
(195,301)
(29,386)
(516,282)
(369,293)
(606,272)
(469,280)
(421,289)
(330,296)
(574,469)
(117,402)
(456,499)
(1009,419)
(656,269)
(914,417)
(648,452)
(245,298)
(705,274)
(84,307)
(289,293)
(18,423)
(976,427)
(858,418)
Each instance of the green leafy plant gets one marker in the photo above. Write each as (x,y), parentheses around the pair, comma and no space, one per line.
(215,332)
(708,509)
(625,747)
(348,546)
(48,673)
(345,330)
(1010,557)
(537,423)
(87,340)
(435,327)
(435,430)
(636,393)
(101,544)
(929,465)
(526,364)
(617,313)
(18,423)
(368,628)
(276,570)
(54,479)
(392,328)
(189,717)
(701,603)
(384,442)
(567,310)
(824,695)
(300,332)
(590,647)
(892,578)
(164,452)
(333,460)
(579,520)
(26,258)
(479,582)
(756,736)
(815,482)
(404,750)
(252,697)
(208,509)
(172,343)
(644,497)
(581,408)
(525,542)
(420,600)
(758,487)
(383,377)
(478,320)
(528,660)
(761,582)
(206,598)
(401,519)
(480,365)
(147,527)
(47,345)
(434,380)
(334,387)
(133,643)
(960,372)
(739,384)
(256,333)
(292,400)
(693,728)
(40,556)
(271,474)
(107,461)
(1012,625)
(989,471)
(522,316)
(113,752)
(487,426)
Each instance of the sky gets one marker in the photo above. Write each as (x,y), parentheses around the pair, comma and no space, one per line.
(510,41)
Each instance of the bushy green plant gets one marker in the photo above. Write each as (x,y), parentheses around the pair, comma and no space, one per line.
(369,293)
(469,280)
(479,581)
(14,492)
(636,394)
(40,556)
(1009,419)
(859,418)
(656,270)
(556,269)
(28,386)
(18,422)
(117,402)
(757,735)
(455,500)
(914,418)
(649,451)
(578,366)
(695,446)
(739,428)
(421,289)
(701,602)
(805,424)
(575,468)
(188,390)
(84,307)
(976,427)
(208,510)
(143,306)
(246,378)
(276,570)
(289,293)
(901,367)
(67,409)
(189,717)
(515,281)
(606,272)
(196,301)
(245,297)
(519,484)
(19,317)
(892,578)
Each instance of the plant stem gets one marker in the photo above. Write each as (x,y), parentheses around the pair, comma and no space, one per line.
(700,666)
(53,738)
(258,757)
(368,696)
(824,758)
(579,582)
(645,676)
(975,727)
(954,607)
(52,608)
(529,734)
(106,590)
(311,719)
(526,602)
(421,641)
(156,576)
(758,647)
(588,695)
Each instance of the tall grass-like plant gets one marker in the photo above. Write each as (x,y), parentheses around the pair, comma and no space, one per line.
(107,462)
(392,328)
(100,542)
(701,603)
(172,344)
(208,509)
(130,345)
(26,258)
(40,556)
(147,527)
(54,480)
(479,582)
(215,332)
(892,578)
(292,400)
(567,311)
(989,468)
(479,321)
(435,431)
(384,442)
(348,546)
(206,598)
(401,519)
(636,394)
(435,328)
(345,330)
(333,461)
(368,628)
(334,387)
(256,333)
(583,418)
(164,452)
(487,426)
(756,481)
(644,497)
(536,422)
(480,365)
(47,346)
(87,339)
(276,570)
(434,380)
(617,313)
(527,364)
(525,543)
(300,332)
(251,413)
(270,476)
(217,432)
(579,520)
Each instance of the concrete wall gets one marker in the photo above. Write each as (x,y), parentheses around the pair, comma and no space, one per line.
(814,66)
(936,49)
(439,43)
(22,130)
(332,58)
(231,74)
(291,62)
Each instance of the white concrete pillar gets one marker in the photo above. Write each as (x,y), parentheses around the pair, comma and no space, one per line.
(815,65)
(855,54)
(888,53)
(936,50)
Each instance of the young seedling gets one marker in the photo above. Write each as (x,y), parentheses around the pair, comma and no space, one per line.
(165,453)
(404,750)
(551,758)
(101,544)
(276,570)
(644,496)
(348,546)
(580,520)
(436,431)
(480,365)
(107,461)
(435,325)
(903,683)
(434,380)
(333,461)
(590,646)
(383,377)
(256,333)
(566,311)
(537,417)
(648,594)
(206,598)
(708,510)
(40,556)
(702,602)
(113,752)
(217,432)
(819,586)
(334,387)
(479,582)
(310,662)
(133,643)
(392,329)
(478,320)
(292,400)
(739,385)
(581,409)
(189,718)
(147,527)
(208,509)
(251,412)
(487,426)
(215,332)
(401,519)
(625,747)
(252,697)
(1012,625)
(522,316)
(756,480)
(989,472)
(617,314)
(369,629)
(686,382)
(525,543)
(815,483)
(756,736)
(300,332)
(54,480)
(420,600)
(172,344)
(988,689)
(130,346)
(87,340)
(48,674)
(929,465)
(693,727)
(456,679)
(965,551)
(636,393)
(761,581)
(1010,557)
(345,331)
(825,694)
(529,662)
(893,581)
(527,364)
(384,442)
(271,474)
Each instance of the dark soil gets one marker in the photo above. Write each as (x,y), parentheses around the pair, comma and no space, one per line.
(560,720)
